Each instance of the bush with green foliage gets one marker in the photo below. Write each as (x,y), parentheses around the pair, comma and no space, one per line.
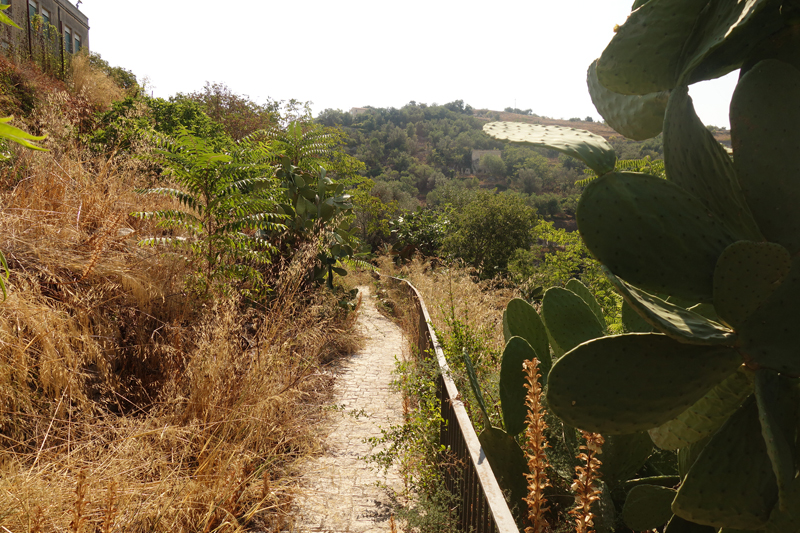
(487,230)
(226,196)
(138,117)
(124,78)
(318,209)
(238,115)
(558,257)
(420,231)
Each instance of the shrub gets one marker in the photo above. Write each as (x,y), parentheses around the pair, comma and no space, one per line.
(488,229)
(225,193)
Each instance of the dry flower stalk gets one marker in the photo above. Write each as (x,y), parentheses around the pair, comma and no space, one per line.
(536,443)
(111,507)
(585,485)
(80,504)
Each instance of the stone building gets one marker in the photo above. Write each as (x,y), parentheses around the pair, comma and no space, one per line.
(37,18)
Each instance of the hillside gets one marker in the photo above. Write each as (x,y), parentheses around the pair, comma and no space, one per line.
(421,155)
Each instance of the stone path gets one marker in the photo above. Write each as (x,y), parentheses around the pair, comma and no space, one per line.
(340,492)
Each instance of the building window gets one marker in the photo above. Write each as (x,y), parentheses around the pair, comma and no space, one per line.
(45,16)
(6,3)
(68,39)
(77,43)
(33,9)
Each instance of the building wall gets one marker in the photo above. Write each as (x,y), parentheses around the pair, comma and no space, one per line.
(63,15)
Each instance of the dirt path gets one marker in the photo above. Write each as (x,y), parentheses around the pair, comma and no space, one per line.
(340,492)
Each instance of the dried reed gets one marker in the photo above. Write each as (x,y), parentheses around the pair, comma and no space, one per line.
(535,446)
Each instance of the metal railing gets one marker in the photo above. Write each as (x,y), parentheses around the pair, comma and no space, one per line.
(482,507)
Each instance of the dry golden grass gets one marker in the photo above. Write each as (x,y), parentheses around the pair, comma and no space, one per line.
(93,84)
(126,405)
(451,292)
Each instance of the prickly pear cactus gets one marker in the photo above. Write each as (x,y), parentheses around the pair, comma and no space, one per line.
(708,258)
(571,316)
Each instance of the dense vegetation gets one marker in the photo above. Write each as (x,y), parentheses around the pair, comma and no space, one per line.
(418,154)
(164,329)
(167,309)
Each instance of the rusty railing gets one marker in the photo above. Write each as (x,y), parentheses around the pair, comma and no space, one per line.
(482,509)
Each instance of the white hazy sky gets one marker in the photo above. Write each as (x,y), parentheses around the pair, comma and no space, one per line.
(354,53)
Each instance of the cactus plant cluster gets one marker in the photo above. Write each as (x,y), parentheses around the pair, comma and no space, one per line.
(569,317)
(707,261)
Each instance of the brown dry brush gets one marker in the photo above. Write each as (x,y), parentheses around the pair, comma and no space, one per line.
(126,405)
(585,485)
(535,451)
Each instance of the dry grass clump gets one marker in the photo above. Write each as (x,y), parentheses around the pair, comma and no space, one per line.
(450,292)
(93,84)
(126,405)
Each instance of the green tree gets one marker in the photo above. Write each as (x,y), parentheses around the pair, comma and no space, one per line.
(226,196)
(238,115)
(493,165)
(138,117)
(124,78)
(488,229)
(310,146)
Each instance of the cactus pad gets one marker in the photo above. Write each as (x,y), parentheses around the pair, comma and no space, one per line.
(769,337)
(765,112)
(788,519)
(586,295)
(688,455)
(645,54)
(628,383)
(568,319)
(623,456)
(476,388)
(726,33)
(679,525)
(653,234)
(648,507)
(747,274)
(706,310)
(632,322)
(696,162)
(661,481)
(673,320)
(512,384)
(520,319)
(707,415)
(507,461)
(776,412)
(637,117)
(731,484)
(781,45)
(581,144)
